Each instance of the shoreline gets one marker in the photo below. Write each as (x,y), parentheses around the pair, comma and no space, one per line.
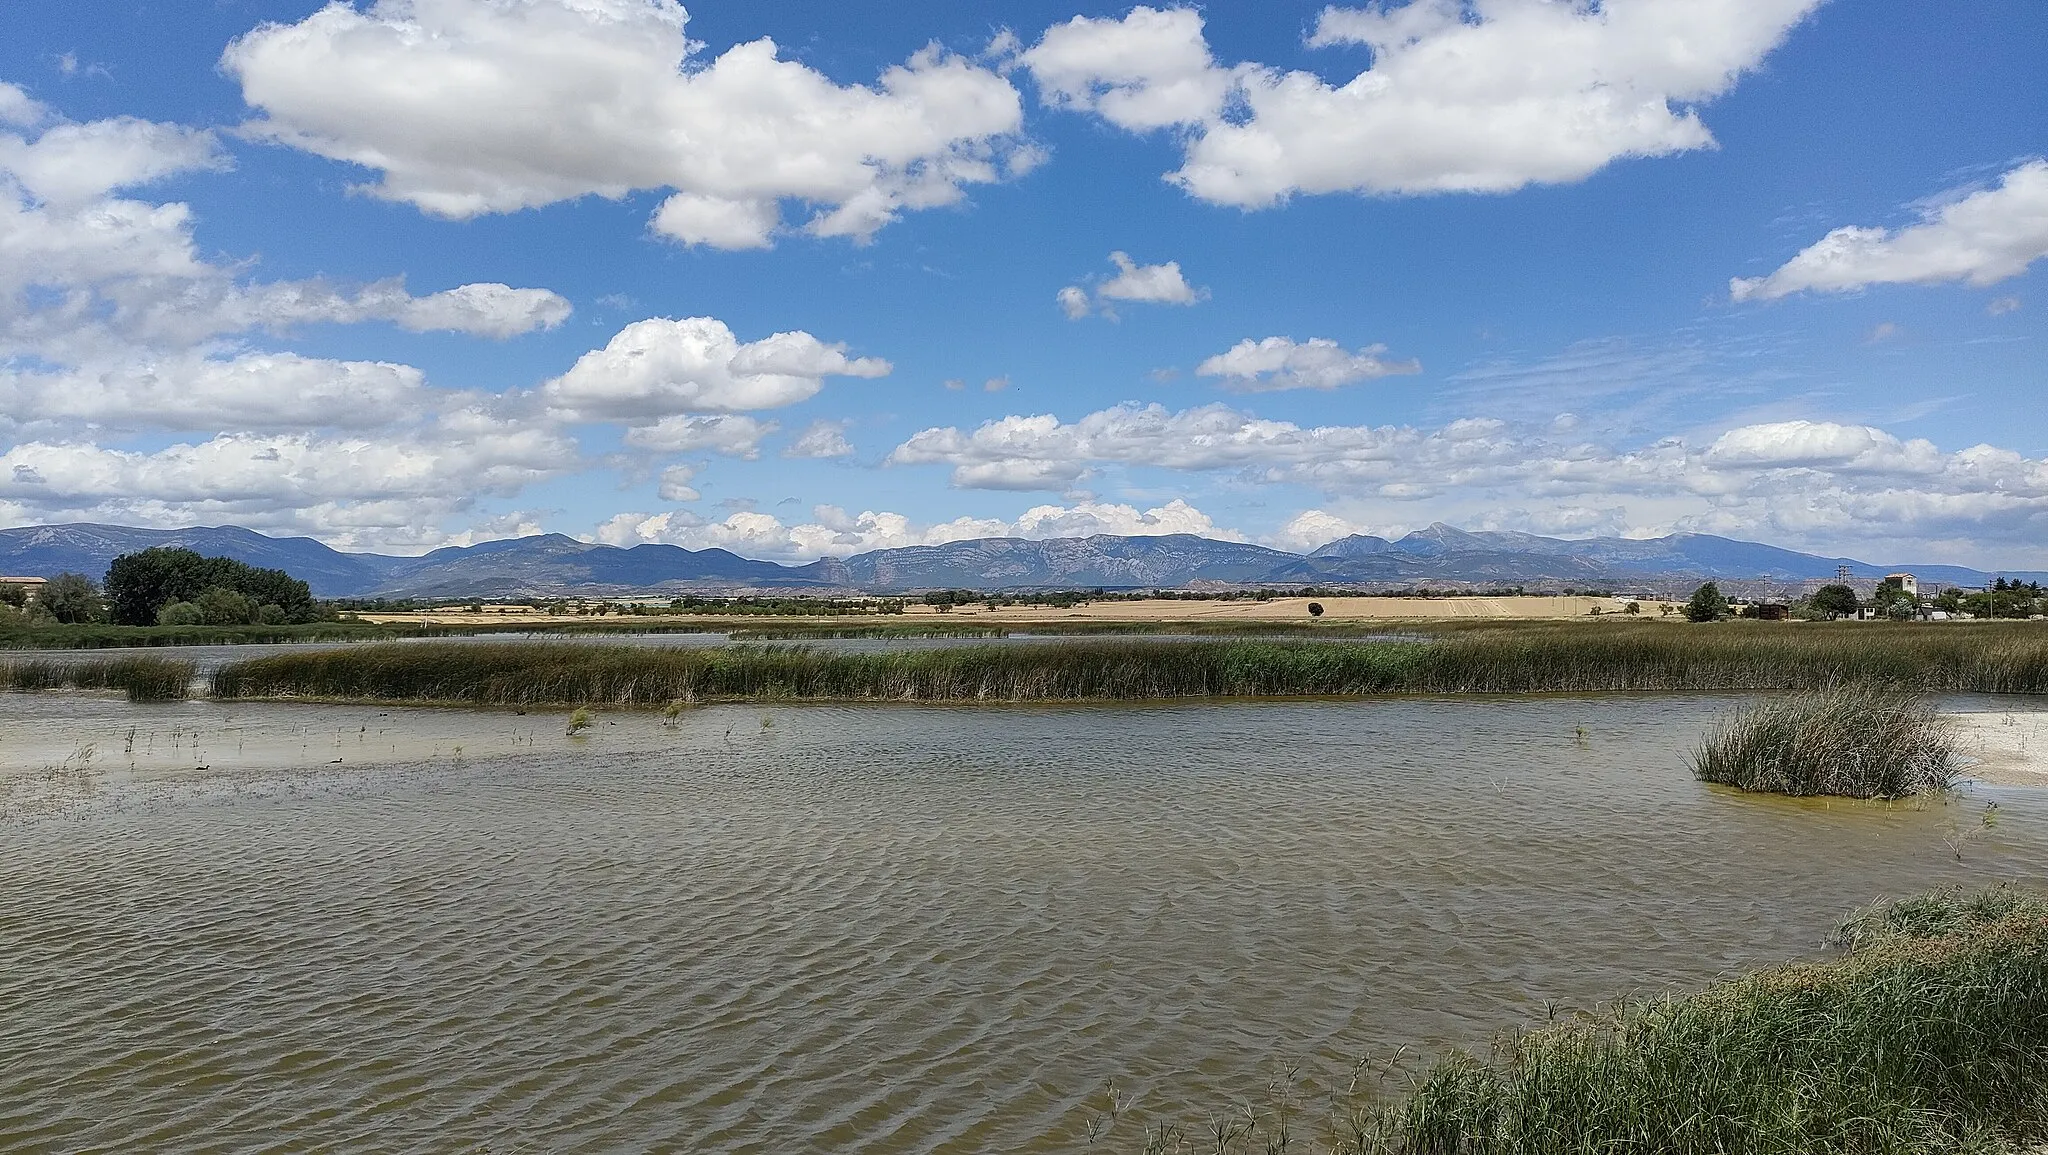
(2008,747)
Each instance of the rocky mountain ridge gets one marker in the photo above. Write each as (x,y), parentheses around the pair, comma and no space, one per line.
(554,564)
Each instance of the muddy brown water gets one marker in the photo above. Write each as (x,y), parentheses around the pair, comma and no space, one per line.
(880,929)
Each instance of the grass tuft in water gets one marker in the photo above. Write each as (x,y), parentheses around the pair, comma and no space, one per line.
(145,679)
(1850,743)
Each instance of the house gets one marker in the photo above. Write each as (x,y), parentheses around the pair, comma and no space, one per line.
(32,586)
(1906,582)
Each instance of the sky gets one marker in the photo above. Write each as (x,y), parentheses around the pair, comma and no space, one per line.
(810,277)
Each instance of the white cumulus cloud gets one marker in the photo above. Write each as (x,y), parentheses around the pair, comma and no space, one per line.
(1458,97)
(1278,363)
(1161,284)
(490,106)
(731,435)
(1982,238)
(661,367)
(821,440)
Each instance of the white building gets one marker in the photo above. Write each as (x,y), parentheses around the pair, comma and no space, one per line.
(1906,582)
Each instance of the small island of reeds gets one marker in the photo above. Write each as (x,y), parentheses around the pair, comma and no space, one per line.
(143,678)
(1845,742)
(1491,661)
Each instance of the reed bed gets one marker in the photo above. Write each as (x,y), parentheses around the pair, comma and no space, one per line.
(145,679)
(1928,1035)
(1848,742)
(1503,661)
(540,673)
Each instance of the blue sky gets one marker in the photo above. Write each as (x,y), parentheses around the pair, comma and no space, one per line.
(1766,268)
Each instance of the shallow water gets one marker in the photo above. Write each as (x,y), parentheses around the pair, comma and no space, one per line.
(880,929)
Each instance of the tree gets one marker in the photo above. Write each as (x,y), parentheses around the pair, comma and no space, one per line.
(179,614)
(1892,601)
(1632,608)
(140,584)
(1315,609)
(224,607)
(13,595)
(1707,604)
(1836,601)
(72,599)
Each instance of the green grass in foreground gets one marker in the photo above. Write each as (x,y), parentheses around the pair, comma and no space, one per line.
(1847,742)
(1929,1035)
(1577,659)
(144,678)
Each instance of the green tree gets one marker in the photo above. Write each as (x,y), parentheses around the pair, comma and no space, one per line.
(1892,601)
(15,596)
(73,598)
(1632,608)
(179,614)
(140,584)
(224,607)
(1836,601)
(1706,605)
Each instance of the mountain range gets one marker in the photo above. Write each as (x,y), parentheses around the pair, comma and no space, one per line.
(553,564)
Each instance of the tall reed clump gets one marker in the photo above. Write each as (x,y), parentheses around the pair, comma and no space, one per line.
(144,679)
(1930,1035)
(1849,743)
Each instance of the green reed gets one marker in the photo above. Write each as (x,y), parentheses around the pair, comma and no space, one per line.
(1848,742)
(1929,1035)
(145,679)
(1498,660)
(569,674)
(1910,1043)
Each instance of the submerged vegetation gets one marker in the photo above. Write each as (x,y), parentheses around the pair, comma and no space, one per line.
(1927,1035)
(1505,661)
(145,679)
(1848,742)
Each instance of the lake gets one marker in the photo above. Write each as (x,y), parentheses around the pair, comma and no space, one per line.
(873,929)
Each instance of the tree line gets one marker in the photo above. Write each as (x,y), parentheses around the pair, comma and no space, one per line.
(169,586)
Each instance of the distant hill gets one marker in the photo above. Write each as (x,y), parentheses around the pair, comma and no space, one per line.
(1104,560)
(552,564)
(48,550)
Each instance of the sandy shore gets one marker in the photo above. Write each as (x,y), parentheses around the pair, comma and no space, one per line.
(2007,747)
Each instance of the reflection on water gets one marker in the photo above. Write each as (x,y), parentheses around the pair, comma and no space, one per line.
(874,929)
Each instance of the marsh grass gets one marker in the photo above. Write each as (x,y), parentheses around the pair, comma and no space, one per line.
(1575,658)
(111,637)
(1847,742)
(144,678)
(1928,1035)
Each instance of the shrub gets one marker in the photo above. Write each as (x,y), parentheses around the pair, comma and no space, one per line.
(180,614)
(1706,605)
(1851,743)
(72,599)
